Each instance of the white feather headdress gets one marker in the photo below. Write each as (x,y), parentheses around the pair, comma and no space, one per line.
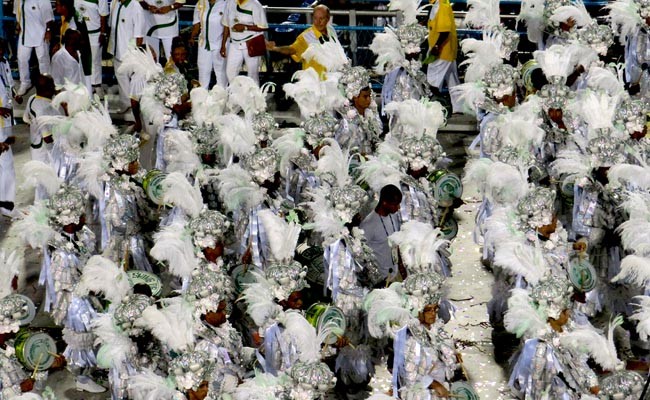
(10,266)
(388,49)
(238,189)
(102,275)
(501,183)
(173,244)
(409,9)
(606,80)
(282,235)
(555,61)
(386,310)
(244,94)
(178,191)
(633,177)
(333,160)
(597,109)
(324,218)
(520,258)
(289,146)
(585,339)
(483,14)
(179,152)
(147,385)
(378,172)
(236,136)
(115,346)
(329,54)
(173,324)
(532,13)
(208,106)
(522,317)
(139,62)
(76,97)
(481,55)
(313,95)
(38,173)
(34,228)
(416,118)
(300,332)
(624,17)
(92,173)
(642,315)
(259,301)
(577,11)
(419,245)
(634,269)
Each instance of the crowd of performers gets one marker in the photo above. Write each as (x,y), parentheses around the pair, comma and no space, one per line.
(222,257)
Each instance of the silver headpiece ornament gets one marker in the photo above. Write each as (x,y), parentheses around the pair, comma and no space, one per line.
(191,369)
(312,379)
(209,288)
(353,80)
(286,278)
(411,37)
(206,139)
(421,152)
(500,80)
(262,164)
(129,310)
(122,150)
(319,128)
(209,228)
(631,115)
(67,205)
(553,295)
(15,310)
(537,208)
(423,289)
(262,124)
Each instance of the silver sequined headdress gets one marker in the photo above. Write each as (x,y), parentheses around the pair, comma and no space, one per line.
(537,208)
(67,205)
(262,164)
(422,290)
(205,138)
(122,150)
(15,310)
(553,295)
(209,228)
(209,288)
(353,80)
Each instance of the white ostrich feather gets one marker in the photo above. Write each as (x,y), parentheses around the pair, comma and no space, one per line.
(583,55)
(388,49)
(520,131)
(173,245)
(76,98)
(505,184)
(519,258)
(102,275)
(476,172)
(532,13)
(637,205)
(264,386)
(624,18)
(333,160)
(147,385)
(178,191)
(418,117)
(385,308)
(208,106)
(38,173)
(153,110)
(378,172)
(469,95)
(236,136)
(302,334)
(92,172)
(635,235)
(577,11)
(70,139)
(289,146)
(501,227)
(244,94)
(555,61)
(282,235)
(328,54)
(572,163)
(634,269)
(481,55)
(600,78)
(173,324)
(323,217)
(483,14)
(597,109)
(409,9)
(642,315)
(115,346)
(419,244)
(34,228)
(11,264)
(585,339)
(238,189)
(139,62)
(179,152)
(258,297)
(522,318)
(102,127)
(313,95)
(633,177)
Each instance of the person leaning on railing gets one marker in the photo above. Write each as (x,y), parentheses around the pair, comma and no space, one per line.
(321,31)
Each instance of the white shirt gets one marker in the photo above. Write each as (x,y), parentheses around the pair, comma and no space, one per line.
(250,13)
(92,12)
(33,16)
(127,22)
(376,230)
(38,106)
(162,26)
(210,16)
(64,66)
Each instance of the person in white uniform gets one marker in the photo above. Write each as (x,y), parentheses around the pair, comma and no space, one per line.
(95,13)
(242,20)
(207,26)
(7,172)
(127,23)
(34,20)
(161,17)
(66,63)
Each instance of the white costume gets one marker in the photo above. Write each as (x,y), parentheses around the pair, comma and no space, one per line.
(65,67)
(32,16)
(127,22)
(249,13)
(209,15)
(7,171)
(38,106)
(92,12)
(162,27)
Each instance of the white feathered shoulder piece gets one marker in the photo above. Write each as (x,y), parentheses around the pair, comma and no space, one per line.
(419,244)
(522,318)
(409,9)
(483,14)
(147,385)
(577,11)
(178,191)
(329,54)
(246,95)
(586,339)
(236,136)
(642,316)
(115,346)
(388,49)
(634,269)
(179,152)
(10,266)
(173,245)
(101,275)
(173,324)
(139,62)
(34,227)
(520,258)
(555,61)
(386,311)
(38,173)
(282,235)
(260,306)
(624,18)
(313,95)
(417,118)
(238,189)
(334,161)
(300,333)
(208,106)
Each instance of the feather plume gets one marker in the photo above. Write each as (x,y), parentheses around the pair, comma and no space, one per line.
(505,184)
(597,109)
(378,172)
(236,136)
(244,94)
(532,13)
(633,177)
(259,301)
(642,315)
(522,318)
(483,14)
(92,173)
(385,307)
(179,153)
(637,205)
(418,118)
(587,340)
(482,55)
(172,325)
(174,246)
(11,264)
(419,245)
(576,11)
(604,79)
(555,61)
(264,386)
(154,111)
(388,49)
(476,172)
(289,146)
(147,385)
(282,235)
(208,106)
(102,127)
(333,160)
(409,9)
(34,228)
(301,333)
(102,275)
(115,346)
(179,192)
(139,62)
(635,236)
(571,163)
(324,219)
(238,189)
(519,258)
(583,55)
(76,98)
(624,18)
(328,54)
(38,173)
(313,95)
(470,96)
(634,269)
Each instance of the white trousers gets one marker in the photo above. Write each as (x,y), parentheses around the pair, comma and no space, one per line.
(96,53)
(24,53)
(124,85)
(236,56)
(155,45)
(208,61)
(442,72)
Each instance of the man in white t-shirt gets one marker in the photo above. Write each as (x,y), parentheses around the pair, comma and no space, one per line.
(161,17)
(207,26)
(66,63)
(242,21)
(95,13)
(127,23)
(34,19)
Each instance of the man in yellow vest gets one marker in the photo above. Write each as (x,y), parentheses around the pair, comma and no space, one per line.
(321,31)
(443,45)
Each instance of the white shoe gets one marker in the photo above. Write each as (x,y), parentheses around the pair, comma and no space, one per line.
(85,384)
(23,89)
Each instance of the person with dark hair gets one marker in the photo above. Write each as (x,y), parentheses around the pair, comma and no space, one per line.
(95,13)
(66,63)
(7,139)
(382,222)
